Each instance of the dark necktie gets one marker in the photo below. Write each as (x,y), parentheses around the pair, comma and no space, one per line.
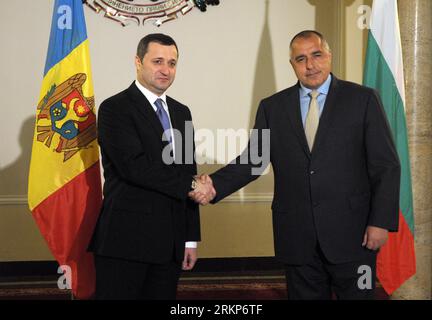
(163,118)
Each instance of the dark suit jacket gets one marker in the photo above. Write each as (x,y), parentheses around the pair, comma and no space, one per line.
(145,215)
(349,181)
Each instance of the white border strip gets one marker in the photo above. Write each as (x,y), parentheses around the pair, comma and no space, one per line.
(20,200)
(11,200)
(386,31)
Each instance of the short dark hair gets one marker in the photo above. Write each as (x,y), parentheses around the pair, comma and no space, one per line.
(160,38)
(309,33)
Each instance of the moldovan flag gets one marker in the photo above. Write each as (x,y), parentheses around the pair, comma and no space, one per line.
(384,72)
(64,181)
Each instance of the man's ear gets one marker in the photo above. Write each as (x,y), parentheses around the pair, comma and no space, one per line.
(138,61)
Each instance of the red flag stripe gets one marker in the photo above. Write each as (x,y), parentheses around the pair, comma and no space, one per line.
(66,219)
(396,261)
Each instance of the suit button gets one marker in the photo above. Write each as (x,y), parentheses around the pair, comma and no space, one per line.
(315,204)
(312,172)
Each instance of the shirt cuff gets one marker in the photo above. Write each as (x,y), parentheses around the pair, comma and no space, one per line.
(191,244)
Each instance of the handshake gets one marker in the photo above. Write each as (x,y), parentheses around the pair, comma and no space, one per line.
(204,191)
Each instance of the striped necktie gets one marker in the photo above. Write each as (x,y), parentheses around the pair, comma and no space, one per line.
(163,118)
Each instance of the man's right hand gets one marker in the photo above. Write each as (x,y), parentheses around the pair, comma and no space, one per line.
(204,191)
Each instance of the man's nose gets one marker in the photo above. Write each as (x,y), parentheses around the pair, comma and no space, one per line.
(164,69)
(309,64)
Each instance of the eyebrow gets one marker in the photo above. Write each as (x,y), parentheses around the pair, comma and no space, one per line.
(299,57)
(303,55)
(162,58)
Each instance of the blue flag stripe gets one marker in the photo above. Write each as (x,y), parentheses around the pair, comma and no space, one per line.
(67,31)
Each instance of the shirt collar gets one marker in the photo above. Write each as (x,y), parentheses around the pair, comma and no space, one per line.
(151,97)
(323,89)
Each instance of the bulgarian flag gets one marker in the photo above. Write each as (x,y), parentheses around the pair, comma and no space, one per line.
(64,192)
(384,72)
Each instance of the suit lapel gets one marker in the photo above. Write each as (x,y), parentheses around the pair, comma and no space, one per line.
(327,114)
(292,108)
(175,121)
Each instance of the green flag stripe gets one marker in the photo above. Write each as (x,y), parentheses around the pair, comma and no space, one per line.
(379,76)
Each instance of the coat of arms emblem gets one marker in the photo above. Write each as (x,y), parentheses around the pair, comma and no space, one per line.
(65,112)
(140,11)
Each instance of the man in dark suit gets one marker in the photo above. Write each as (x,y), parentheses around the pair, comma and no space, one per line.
(336,173)
(148,227)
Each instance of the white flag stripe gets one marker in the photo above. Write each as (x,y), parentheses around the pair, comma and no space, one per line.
(387,35)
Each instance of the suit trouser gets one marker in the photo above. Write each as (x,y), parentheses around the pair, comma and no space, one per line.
(319,279)
(119,279)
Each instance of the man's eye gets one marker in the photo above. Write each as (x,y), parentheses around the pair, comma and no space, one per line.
(158,61)
(300,59)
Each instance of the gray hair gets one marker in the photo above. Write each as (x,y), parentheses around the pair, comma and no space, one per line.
(305,34)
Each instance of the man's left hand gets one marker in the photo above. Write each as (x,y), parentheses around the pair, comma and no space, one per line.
(374,237)
(190,257)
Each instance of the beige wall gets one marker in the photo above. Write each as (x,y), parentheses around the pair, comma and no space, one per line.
(230,57)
